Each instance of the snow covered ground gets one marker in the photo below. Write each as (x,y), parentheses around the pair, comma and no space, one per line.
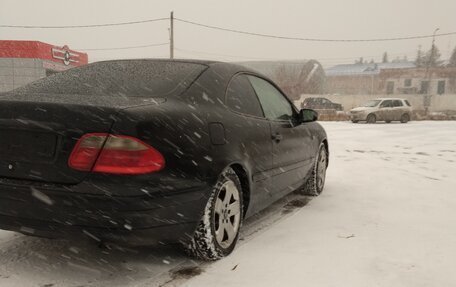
(387,217)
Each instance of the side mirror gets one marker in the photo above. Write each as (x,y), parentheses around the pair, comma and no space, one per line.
(307,116)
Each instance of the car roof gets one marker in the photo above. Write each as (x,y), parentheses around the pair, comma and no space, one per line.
(315,98)
(191,61)
(209,63)
(382,99)
(217,66)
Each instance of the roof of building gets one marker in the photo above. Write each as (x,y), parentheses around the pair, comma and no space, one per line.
(18,49)
(366,69)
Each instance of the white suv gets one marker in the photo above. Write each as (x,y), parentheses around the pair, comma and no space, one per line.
(382,109)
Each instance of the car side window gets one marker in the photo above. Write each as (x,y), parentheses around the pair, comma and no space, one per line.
(386,104)
(310,101)
(274,103)
(397,103)
(241,97)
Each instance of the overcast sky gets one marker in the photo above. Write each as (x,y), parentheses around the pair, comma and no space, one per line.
(340,19)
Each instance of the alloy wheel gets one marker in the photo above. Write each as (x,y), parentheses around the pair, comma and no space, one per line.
(227,214)
(321,169)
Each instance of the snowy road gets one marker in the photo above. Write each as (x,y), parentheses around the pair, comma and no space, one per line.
(386,218)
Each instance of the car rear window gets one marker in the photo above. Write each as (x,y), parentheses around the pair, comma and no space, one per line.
(397,103)
(128,78)
(407,103)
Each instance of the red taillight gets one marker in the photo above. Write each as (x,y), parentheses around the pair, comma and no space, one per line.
(86,151)
(117,154)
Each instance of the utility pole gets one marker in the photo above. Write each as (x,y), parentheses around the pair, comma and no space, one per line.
(431,57)
(427,97)
(171,36)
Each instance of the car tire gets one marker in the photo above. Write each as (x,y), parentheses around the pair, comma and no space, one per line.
(388,122)
(371,119)
(218,231)
(405,118)
(355,121)
(316,182)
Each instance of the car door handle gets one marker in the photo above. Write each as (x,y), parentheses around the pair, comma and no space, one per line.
(277,137)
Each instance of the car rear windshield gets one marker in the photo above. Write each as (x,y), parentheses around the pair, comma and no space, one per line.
(407,102)
(127,78)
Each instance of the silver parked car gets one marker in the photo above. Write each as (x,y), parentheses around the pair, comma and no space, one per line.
(383,109)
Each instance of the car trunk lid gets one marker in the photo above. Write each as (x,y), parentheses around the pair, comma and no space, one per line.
(38,132)
(41,122)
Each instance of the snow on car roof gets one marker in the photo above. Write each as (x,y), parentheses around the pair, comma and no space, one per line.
(389,99)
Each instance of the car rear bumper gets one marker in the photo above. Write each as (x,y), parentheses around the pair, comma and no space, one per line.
(170,233)
(150,218)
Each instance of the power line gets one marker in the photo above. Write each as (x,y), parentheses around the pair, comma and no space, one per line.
(124,48)
(322,60)
(222,55)
(227,30)
(311,39)
(84,26)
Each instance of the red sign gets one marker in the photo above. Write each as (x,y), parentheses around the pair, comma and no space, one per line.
(43,51)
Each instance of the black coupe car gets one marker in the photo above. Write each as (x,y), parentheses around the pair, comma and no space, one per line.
(147,151)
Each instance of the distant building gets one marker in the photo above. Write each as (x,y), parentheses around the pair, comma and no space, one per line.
(355,79)
(293,77)
(22,62)
(389,79)
(434,81)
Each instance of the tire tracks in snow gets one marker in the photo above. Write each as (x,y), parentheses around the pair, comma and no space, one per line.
(253,226)
(29,261)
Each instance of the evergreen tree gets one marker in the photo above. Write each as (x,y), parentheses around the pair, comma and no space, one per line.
(453,59)
(431,58)
(419,58)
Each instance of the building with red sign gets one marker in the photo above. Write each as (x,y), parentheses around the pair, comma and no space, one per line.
(22,62)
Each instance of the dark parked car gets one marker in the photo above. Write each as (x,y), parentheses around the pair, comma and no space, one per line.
(144,151)
(320,104)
